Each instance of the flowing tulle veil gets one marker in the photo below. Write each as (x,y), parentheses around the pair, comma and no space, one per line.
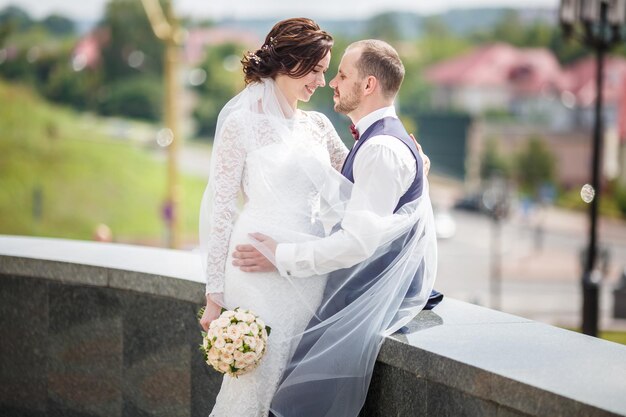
(343,345)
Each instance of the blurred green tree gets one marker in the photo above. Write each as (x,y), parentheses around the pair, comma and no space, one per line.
(138,97)
(132,48)
(224,79)
(15,17)
(435,27)
(59,25)
(534,165)
(539,34)
(414,96)
(492,162)
(383,26)
(620,199)
(76,88)
(438,42)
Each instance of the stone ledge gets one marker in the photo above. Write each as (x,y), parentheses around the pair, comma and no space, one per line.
(533,368)
(459,358)
(161,272)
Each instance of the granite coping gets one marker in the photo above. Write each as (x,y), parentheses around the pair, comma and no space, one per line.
(527,366)
(163,272)
(509,359)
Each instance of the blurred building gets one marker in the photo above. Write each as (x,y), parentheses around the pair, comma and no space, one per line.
(496,77)
(540,97)
(87,52)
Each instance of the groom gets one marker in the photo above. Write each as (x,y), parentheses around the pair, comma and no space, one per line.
(385,165)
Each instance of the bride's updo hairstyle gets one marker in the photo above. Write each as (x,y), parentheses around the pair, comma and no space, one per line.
(293,47)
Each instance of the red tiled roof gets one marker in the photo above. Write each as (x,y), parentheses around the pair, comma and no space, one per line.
(525,70)
(581,80)
(529,71)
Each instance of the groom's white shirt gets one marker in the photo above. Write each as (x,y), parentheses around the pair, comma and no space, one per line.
(383,170)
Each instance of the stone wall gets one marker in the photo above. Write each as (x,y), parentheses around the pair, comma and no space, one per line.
(110,330)
(72,350)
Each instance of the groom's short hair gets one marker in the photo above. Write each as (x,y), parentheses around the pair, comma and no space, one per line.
(382,61)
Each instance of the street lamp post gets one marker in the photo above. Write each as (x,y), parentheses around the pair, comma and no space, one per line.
(166,28)
(496,200)
(600,23)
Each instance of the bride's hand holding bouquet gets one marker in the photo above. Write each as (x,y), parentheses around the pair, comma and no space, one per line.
(234,342)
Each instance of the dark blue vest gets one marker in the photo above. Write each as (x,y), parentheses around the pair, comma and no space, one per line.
(392,127)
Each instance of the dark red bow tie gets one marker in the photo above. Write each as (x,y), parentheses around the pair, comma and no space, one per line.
(355,133)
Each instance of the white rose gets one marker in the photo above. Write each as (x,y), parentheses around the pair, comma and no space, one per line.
(234,332)
(237,343)
(264,334)
(228,314)
(238,356)
(224,367)
(250,341)
(249,367)
(249,358)
(226,358)
(240,316)
(213,354)
(229,348)
(261,323)
(250,318)
(222,322)
(219,343)
(243,328)
(259,347)
(217,323)
(254,328)
(211,333)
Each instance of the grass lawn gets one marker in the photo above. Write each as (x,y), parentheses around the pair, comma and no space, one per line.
(617,337)
(83,177)
(611,336)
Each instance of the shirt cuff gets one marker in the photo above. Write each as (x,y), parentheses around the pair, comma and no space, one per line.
(285,255)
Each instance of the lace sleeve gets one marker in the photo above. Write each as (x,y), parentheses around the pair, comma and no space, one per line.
(224,185)
(336,148)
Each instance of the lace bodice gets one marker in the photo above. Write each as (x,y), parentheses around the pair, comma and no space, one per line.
(249,157)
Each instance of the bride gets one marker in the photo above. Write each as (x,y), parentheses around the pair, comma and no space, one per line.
(262,140)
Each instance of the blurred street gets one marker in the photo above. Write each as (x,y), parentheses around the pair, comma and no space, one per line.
(540,273)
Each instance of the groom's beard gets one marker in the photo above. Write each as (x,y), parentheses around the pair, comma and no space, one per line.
(349,102)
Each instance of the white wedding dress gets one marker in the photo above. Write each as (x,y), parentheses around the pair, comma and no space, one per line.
(255,162)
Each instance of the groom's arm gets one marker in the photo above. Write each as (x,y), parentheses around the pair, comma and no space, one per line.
(383,171)
(381,178)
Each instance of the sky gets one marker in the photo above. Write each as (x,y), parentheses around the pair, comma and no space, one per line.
(218,9)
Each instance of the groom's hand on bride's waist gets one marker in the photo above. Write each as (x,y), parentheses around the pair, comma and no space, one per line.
(249,259)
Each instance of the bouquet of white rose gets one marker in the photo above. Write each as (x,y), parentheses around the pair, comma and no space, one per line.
(235,341)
